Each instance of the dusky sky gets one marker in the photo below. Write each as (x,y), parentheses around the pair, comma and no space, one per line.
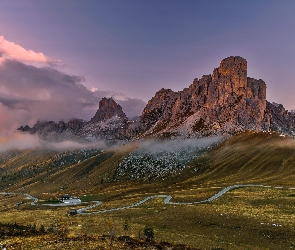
(134,48)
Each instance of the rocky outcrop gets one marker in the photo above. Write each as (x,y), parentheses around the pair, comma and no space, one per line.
(277,118)
(108,108)
(225,101)
(158,109)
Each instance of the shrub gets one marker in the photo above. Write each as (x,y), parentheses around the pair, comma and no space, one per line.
(149,233)
(126,227)
(42,229)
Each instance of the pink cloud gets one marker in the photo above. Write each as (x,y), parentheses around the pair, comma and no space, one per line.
(14,51)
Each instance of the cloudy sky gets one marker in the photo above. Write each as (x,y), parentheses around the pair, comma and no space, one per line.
(58,58)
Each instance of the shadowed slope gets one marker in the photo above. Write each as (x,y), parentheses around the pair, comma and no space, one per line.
(249,157)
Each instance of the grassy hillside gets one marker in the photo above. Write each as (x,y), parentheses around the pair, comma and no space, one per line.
(57,172)
(248,157)
(245,218)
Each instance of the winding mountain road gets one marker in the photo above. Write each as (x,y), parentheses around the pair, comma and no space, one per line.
(167,199)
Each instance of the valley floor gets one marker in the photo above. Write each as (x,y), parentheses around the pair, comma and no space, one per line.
(244,218)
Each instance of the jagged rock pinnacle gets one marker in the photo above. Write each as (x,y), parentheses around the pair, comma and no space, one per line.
(108,108)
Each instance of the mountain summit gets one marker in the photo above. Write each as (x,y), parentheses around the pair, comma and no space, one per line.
(108,108)
(226,101)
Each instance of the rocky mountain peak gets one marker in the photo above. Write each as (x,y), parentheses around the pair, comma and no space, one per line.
(233,65)
(108,108)
(227,101)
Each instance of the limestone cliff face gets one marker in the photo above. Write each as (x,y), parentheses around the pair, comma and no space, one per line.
(277,118)
(108,108)
(225,101)
(159,108)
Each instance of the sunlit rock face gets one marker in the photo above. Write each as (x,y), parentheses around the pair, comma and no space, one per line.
(225,101)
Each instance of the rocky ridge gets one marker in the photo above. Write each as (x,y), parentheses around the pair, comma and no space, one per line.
(109,123)
(225,102)
(277,118)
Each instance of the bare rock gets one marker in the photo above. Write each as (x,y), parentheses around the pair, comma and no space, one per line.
(108,108)
(222,103)
(277,118)
(225,101)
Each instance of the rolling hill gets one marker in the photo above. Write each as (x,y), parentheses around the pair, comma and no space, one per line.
(248,157)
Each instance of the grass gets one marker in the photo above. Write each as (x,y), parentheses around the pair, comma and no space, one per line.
(88,198)
(14,229)
(244,218)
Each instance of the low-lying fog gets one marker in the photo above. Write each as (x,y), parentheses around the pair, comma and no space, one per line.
(21,141)
(154,146)
(160,159)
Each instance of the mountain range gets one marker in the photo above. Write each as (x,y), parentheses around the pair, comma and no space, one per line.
(256,215)
(226,102)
